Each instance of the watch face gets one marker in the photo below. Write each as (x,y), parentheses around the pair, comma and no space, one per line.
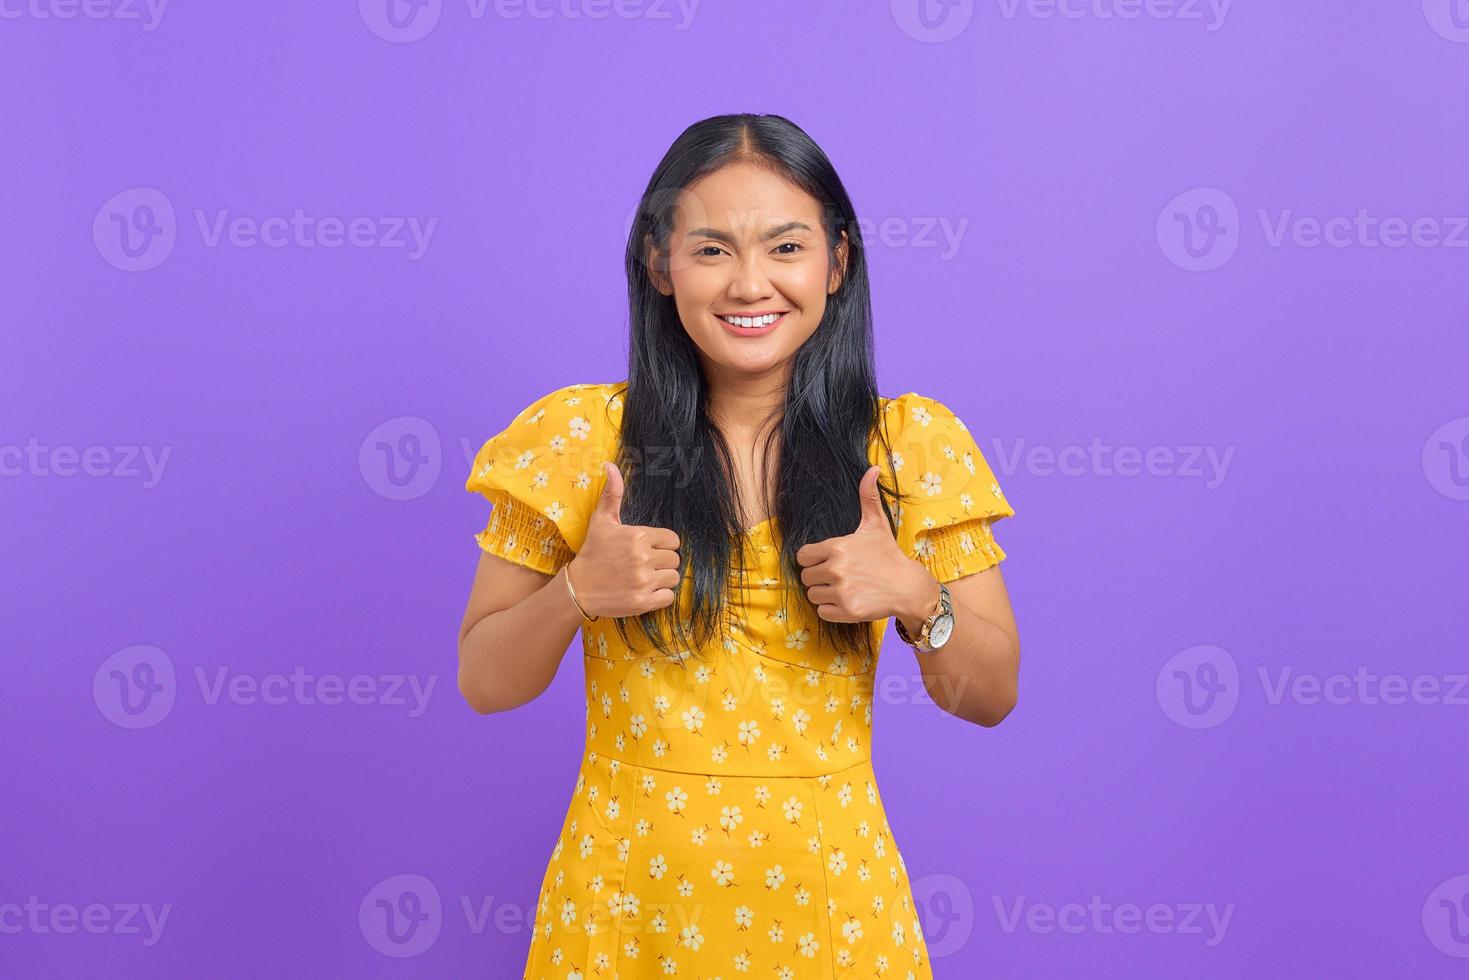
(939,634)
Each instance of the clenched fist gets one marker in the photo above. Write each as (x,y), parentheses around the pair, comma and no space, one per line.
(864,576)
(623,569)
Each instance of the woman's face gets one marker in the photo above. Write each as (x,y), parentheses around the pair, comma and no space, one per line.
(748,243)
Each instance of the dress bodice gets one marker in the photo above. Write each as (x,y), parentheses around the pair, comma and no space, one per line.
(767,696)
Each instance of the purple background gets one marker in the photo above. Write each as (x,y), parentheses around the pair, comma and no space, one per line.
(1333,833)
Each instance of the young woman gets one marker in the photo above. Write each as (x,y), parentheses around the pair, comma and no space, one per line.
(730,528)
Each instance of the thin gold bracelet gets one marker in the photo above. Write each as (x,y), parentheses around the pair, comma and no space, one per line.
(566,576)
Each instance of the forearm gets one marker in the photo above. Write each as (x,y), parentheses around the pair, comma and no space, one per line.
(974,675)
(509,657)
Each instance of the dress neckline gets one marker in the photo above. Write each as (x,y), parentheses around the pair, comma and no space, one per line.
(755,529)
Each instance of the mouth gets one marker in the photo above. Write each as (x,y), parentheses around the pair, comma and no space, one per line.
(754,324)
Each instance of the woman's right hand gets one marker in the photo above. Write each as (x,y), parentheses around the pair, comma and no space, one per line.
(623,569)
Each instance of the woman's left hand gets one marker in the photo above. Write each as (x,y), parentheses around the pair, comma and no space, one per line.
(864,576)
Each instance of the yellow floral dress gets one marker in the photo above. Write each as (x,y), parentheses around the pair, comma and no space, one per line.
(726,820)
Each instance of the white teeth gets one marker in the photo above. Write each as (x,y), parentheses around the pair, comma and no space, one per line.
(751,321)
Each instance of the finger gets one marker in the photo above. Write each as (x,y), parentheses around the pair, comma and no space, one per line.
(609,502)
(819,594)
(833,613)
(661,599)
(872,516)
(663,558)
(823,574)
(814,553)
(664,538)
(665,578)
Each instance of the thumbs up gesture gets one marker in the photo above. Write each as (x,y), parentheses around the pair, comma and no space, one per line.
(864,576)
(623,569)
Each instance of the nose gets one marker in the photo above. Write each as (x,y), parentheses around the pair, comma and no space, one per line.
(750,283)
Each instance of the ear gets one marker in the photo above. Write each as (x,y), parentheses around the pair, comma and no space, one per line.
(654,261)
(839,267)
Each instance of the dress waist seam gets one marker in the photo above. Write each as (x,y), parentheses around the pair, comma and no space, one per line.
(865,761)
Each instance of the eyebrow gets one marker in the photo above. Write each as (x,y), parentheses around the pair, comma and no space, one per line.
(772,233)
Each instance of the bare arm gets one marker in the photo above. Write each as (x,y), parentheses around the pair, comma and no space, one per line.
(520,622)
(517,627)
(976,674)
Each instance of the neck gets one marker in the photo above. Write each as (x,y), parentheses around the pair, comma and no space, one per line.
(741,401)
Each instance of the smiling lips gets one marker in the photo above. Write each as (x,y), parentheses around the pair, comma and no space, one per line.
(752,325)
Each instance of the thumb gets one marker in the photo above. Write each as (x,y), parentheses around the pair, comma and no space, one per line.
(872,515)
(609,501)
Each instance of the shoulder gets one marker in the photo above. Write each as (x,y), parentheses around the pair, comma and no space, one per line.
(547,463)
(949,496)
(937,460)
(914,409)
(915,418)
(587,404)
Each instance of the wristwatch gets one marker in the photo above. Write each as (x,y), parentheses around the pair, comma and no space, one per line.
(936,628)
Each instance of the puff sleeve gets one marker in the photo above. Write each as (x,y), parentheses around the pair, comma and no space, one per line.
(543,474)
(949,496)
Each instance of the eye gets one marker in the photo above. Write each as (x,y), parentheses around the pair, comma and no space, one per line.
(704,251)
(797,246)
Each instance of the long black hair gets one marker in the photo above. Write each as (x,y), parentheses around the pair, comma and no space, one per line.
(831,407)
